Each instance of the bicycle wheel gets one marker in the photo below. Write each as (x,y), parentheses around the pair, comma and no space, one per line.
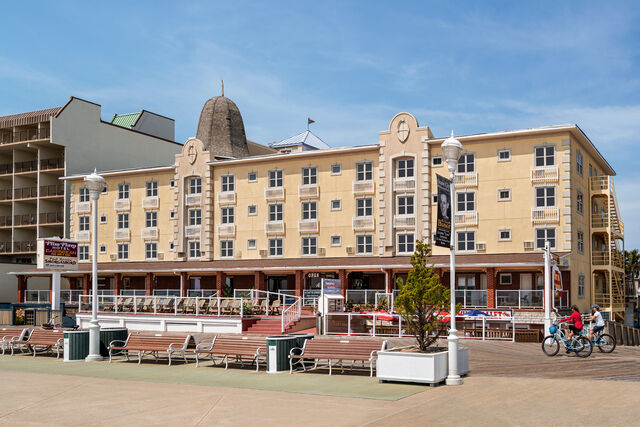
(550,345)
(583,346)
(605,343)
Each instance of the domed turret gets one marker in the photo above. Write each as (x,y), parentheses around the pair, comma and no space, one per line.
(221,128)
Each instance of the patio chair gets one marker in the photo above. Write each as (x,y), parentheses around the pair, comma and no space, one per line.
(203,305)
(276,307)
(212,307)
(225,306)
(127,304)
(147,305)
(258,307)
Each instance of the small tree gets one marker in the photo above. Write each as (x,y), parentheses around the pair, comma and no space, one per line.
(422,298)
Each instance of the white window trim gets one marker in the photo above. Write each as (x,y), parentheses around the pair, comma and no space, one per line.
(372,244)
(302,246)
(535,237)
(102,249)
(336,173)
(228,175)
(255,244)
(255,212)
(504,189)
(503,150)
(269,247)
(545,145)
(500,239)
(406,244)
(501,275)
(339,240)
(189,249)
(434,199)
(475,201)
(584,285)
(232,252)
(475,240)
(437,156)
(105,218)
(249,176)
(145,250)
(339,208)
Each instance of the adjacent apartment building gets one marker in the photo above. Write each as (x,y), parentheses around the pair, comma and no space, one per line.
(225,212)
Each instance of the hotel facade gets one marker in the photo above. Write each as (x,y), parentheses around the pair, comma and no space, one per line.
(226,213)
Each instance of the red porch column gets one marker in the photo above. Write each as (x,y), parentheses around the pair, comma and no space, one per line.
(221,278)
(299,282)
(342,275)
(258,281)
(391,284)
(491,287)
(22,287)
(184,277)
(86,284)
(148,284)
(117,283)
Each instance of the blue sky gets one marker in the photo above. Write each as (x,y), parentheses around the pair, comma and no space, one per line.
(471,66)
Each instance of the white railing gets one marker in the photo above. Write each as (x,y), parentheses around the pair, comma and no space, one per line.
(466,179)
(132,292)
(121,234)
(83,236)
(362,296)
(291,314)
(404,184)
(166,292)
(192,230)
(308,226)
(310,191)
(519,298)
(149,233)
(404,221)
(467,218)
(310,297)
(227,197)
(122,204)
(363,187)
(202,293)
(545,214)
(226,229)
(363,223)
(70,296)
(274,227)
(83,207)
(274,193)
(193,199)
(151,202)
(471,297)
(36,296)
(544,174)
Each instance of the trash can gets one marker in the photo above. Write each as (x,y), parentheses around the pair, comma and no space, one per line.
(278,348)
(111,334)
(76,345)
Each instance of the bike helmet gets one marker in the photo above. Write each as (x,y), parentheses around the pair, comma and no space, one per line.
(553,330)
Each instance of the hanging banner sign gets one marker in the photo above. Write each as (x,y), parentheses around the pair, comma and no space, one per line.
(556,277)
(443,226)
(57,254)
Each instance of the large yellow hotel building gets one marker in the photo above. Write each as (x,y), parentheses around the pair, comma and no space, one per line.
(229,213)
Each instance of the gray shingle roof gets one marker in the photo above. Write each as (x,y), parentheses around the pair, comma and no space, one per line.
(307,138)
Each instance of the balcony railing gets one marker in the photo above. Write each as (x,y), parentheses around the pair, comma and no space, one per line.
(5,247)
(274,193)
(600,183)
(602,258)
(404,184)
(363,187)
(122,204)
(363,223)
(472,297)
(51,217)
(308,226)
(545,214)
(26,219)
(83,207)
(6,194)
(544,174)
(83,236)
(193,199)
(519,298)
(599,220)
(404,221)
(24,246)
(466,179)
(121,234)
(226,230)
(151,202)
(192,230)
(274,227)
(227,197)
(26,135)
(48,164)
(51,190)
(149,233)
(467,218)
(310,191)
(25,193)
(6,168)
(26,166)
(6,220)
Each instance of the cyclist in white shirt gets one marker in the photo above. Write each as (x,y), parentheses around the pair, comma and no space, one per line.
(597,316)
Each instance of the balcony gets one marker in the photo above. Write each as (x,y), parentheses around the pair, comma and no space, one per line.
(192,231)
(544,174)
(48,164)
(274,193)
(467,218)
(519,298)
(404,221)
(6,169)
(227,197)
(6,194)
(274,227)
(363,187)
(26,166)
(121,234)
(25,193)
(193,199)
(53,190)
(545,215)
(363,223)
(149,233)
(599,220)
(226,230)
(6,221)
(471,297)
(404,184)
(151,202)
(83,207)
(83,236)
(308,226)
(25,220)
(122,204)
(310,191)
(51,218)
(24,135)
(466,179)
(24,246)
(5,247)
(602,258)
(600,183)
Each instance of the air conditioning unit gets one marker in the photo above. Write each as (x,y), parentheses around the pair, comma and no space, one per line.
(481,246)
(351,250)
(528,245)
(322,251)
(263,252)
(113,257)
(160,255)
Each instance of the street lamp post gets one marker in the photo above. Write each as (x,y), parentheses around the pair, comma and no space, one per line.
(451,149)
(95,184)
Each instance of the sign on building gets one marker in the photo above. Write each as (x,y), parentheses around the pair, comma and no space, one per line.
(443,226)
(331,286)
(57,254)
(557,277)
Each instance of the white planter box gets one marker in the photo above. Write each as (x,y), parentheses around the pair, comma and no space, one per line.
(429,368)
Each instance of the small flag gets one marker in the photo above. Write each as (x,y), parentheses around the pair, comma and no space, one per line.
(309,121)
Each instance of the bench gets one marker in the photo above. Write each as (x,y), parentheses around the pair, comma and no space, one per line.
(12,335)
(365,350)
(239,347)
(153,345)
(47,338)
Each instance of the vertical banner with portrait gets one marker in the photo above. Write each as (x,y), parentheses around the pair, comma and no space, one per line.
(443,227)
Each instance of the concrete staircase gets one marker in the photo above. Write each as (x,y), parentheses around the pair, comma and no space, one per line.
(271,326)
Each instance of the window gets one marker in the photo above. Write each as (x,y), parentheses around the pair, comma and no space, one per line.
(228,215)
(83,253)
(152,219)
(336,169)
(364,207)
(544,234)
(123,191)
(275,178)
(195,185)
(309,210)
(226,248)
(466,240)
(505,279)
(336,205)
(580,202)
(251,244)
(84,223)
(105,189)
(172,214)
(364,171)
(504,155)
(151,250)
(309,176)
(580,285)
(172,183)
(275,247)
(194,249)
(466,202)
(336,240)
(405,168)
(103,219)
(504,194)
(171,246)
(434,199)
(228,183)
(309,245)
(84,194)
(275,212)
(252,210)
(545,156)
(579,161)
(252,176)
(364,244)
(103,249)
(466,163)
(436,161)
(504,235)
(152,188)
(545,196)
(123,251)
(580,241)
(123,220)
(405,243)
(405,205)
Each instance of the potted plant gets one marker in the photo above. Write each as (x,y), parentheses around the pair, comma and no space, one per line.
(422,299)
